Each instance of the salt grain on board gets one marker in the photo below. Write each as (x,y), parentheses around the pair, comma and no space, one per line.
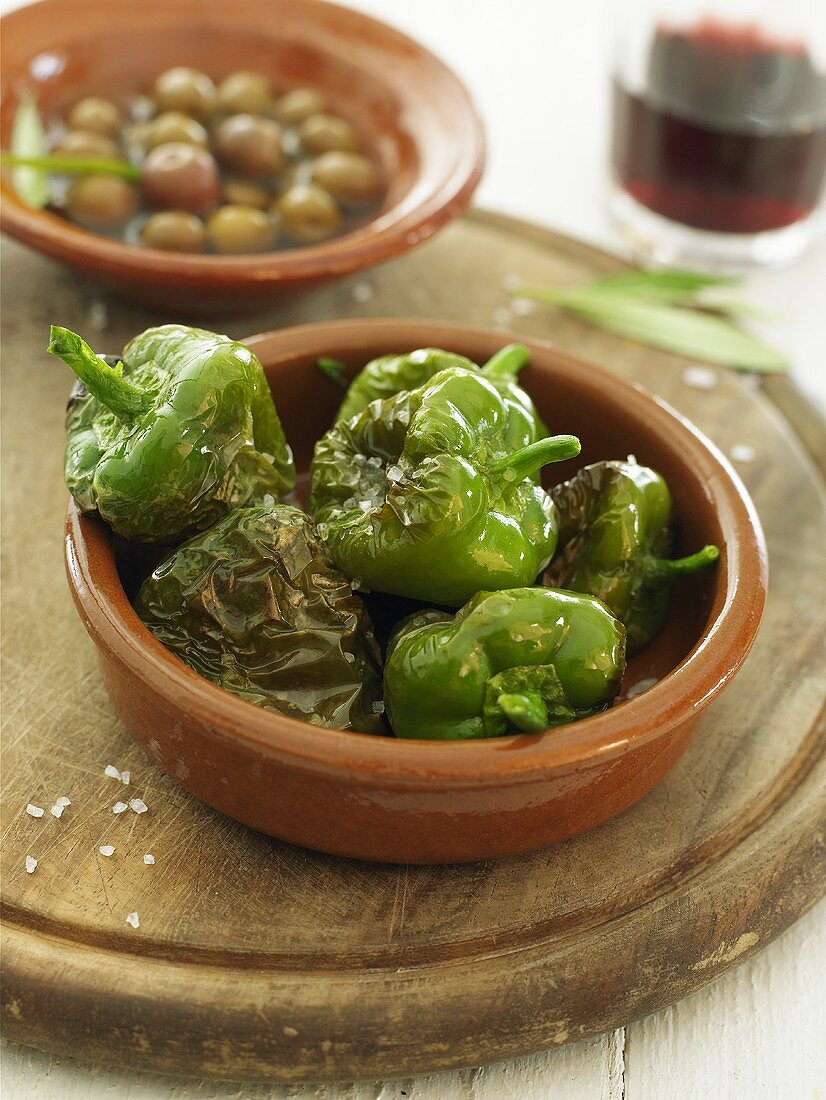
(63,801)
(138,805)
(700,378)
(107,849)
(742,452)
(523,306)
(125,777)
(362,292)
(34,811)
(133,919)
(31,863)
(57,810)
(112,771)
(501,318)
(148,858)
(119,808)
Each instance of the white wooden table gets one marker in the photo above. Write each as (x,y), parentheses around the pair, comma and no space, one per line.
(538,72)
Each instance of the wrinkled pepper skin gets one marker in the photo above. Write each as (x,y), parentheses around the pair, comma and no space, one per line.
(522,660)
(614,542)
(422,495)
(182,433)
(391,374)
(255,605)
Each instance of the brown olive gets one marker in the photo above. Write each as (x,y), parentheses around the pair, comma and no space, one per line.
(98,116)
(309,213)
(181,177)
(244,93)
(83,143)
(185,90)
(241,229)
(241,193)
(174,231)
(326,133)
(101,202)
(299,104)
(349,177)
(249,146)
(171,126)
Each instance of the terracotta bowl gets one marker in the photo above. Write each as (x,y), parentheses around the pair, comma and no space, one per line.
(438,802)
(410,111)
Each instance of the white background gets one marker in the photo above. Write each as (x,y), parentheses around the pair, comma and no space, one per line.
(538,71)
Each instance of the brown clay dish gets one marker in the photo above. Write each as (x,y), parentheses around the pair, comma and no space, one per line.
(411,114)
(438,802)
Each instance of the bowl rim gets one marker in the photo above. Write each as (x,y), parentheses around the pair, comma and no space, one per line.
(400,227)
(678,696)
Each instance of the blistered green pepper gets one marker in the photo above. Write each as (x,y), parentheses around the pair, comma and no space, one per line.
(255,605)
(174,435)
(390,374)
(614,542)
(424,495)
(522,660)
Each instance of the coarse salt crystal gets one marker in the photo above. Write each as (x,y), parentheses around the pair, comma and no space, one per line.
(148,858)
(362,292)
(31,863)
(394,473)
(513,282)
(378,707)
(133,919)
(741,452)
(523,306)
(112,771)
(119,808)
(365,505)
(107,849)
(56,810)
(138,805)
(34,811)
(125,777)
(641,686)
(63,801)
(700,378)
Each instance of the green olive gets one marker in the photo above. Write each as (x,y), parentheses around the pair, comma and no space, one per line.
(96,115)
(84,143)
(325,134)
(101,202)
(241,193)
(181,177)
(235,229)
(244,93)
(309,213)
(171,126)
(299,104)
(186,90)
(249,146)
(349,177)
(174,231)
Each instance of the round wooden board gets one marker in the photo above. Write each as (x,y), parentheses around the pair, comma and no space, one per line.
(257,960)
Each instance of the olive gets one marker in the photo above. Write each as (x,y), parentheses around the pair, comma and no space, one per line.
(249,146)
(348,177)
(98,116)
(299,104)
(101,202)
(326,133)
(181,177)
(244,93)
(186,90)
(241,229)
(84,143)
(174,231)
(240,193)
(309,213)
(171,126)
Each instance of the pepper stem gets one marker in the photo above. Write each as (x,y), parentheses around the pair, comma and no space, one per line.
(527,712)
(528,460)
(106,383)
(507,362)
(679,567)
(74,166)
(334,369)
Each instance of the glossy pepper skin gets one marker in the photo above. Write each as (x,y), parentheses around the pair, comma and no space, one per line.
(614,542)
(520,660)
(423,494)
(255,605)
(390,374)
(181,433)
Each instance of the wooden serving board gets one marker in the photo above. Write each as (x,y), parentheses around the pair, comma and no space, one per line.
(255,959)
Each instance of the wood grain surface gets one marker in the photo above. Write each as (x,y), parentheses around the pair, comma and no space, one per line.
(254,959)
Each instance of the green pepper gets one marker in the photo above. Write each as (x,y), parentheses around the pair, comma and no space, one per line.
(423,495)
(174,436)
(614,542)
(521,660)
(255,605)
(390,374)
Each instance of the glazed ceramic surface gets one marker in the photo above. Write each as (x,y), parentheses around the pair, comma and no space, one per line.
(424,802)
(410,112)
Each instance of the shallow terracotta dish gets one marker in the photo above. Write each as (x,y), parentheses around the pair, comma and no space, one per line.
(411,112)
(438,802)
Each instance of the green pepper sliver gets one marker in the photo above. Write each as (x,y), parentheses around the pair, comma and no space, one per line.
(255,605)
(425,495)
(518,661)
(614,542)
(177,433)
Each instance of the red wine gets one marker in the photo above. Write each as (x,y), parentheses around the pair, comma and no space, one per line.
(729,133)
